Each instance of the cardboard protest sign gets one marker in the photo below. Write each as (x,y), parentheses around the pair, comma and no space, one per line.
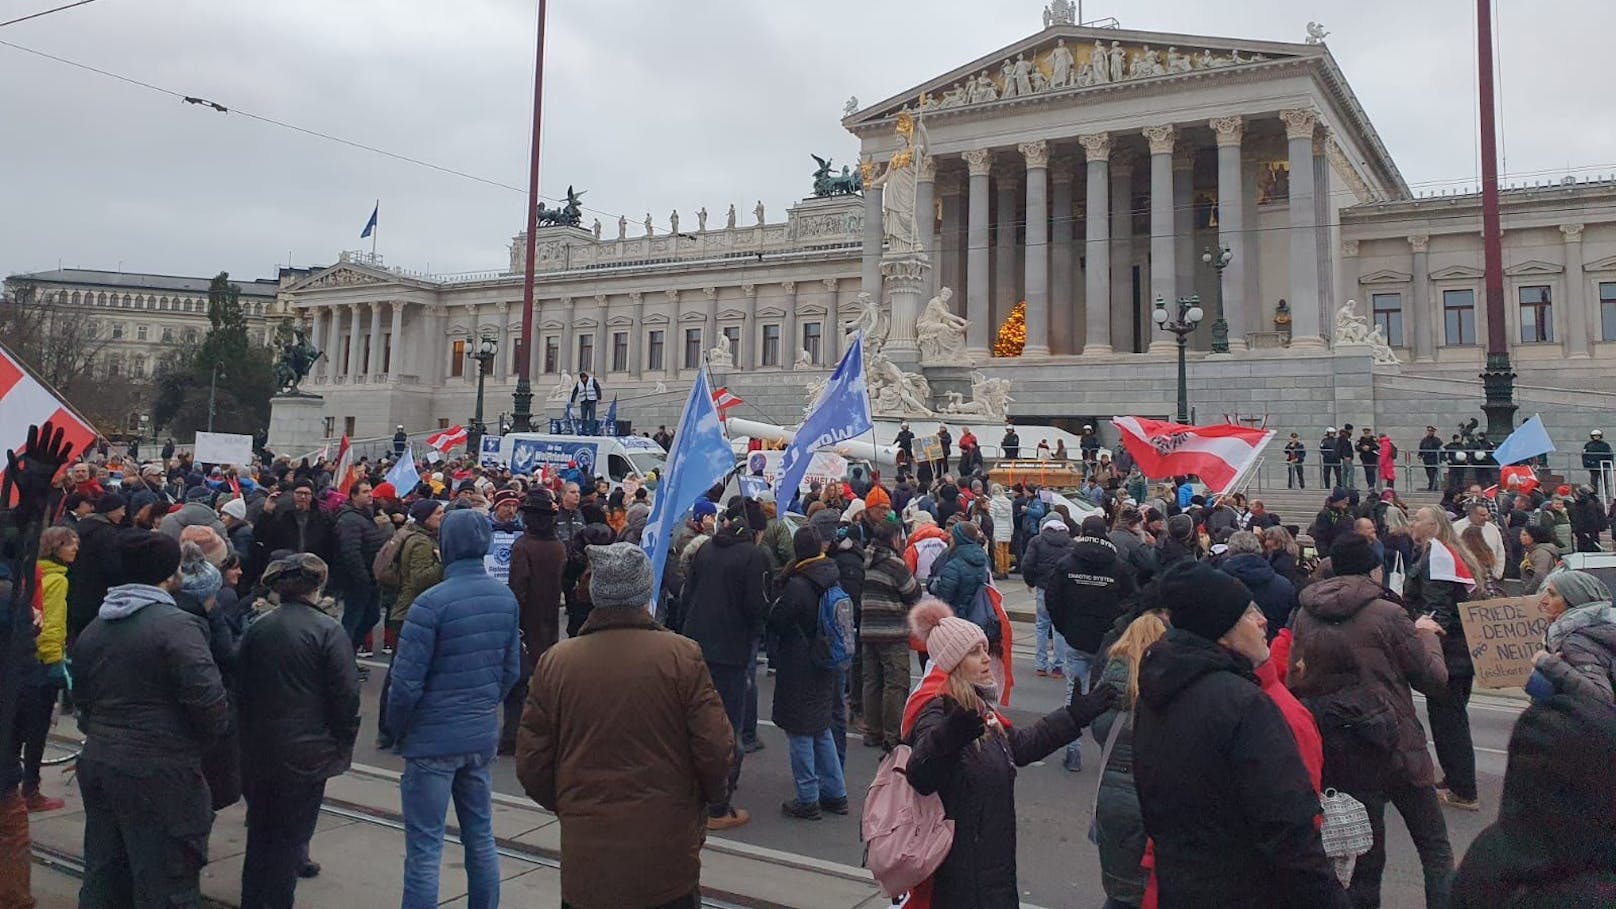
(1503,635)
(928,448)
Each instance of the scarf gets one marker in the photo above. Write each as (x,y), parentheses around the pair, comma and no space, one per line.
(1576,619)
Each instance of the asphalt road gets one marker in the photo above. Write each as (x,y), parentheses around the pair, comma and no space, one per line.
(1057,865)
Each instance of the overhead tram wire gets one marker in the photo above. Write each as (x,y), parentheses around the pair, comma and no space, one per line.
(222,108)
(44,12)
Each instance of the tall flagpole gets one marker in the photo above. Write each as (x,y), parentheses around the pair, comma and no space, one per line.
(1498,380)
(375,229)
(522,415)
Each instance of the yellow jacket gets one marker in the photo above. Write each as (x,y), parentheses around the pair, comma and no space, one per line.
(53,633)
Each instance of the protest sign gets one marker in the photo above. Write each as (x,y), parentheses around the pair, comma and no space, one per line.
(928,448)
(223,448)
(497,561)
(1503,635)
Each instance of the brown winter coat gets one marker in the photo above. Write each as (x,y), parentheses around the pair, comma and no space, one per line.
(626,740)
(536,567)
(1391,656)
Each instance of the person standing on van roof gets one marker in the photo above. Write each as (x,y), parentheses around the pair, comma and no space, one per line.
(586,394)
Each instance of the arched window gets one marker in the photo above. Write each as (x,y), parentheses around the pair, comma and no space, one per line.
(76,298)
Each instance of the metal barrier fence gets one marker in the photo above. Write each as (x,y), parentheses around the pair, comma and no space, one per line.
(1272,472)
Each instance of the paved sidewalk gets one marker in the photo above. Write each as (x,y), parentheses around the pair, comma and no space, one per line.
(361,847)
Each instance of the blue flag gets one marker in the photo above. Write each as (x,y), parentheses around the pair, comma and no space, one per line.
(841,413)
(1529,441)
(403,475)
(370,226)
(611,418)
(700,457)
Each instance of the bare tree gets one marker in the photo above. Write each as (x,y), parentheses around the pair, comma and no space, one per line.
(58,343)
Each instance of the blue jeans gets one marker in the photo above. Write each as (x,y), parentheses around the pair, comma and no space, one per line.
(1045,631)
(1077,673)
(426,789)
(816,769)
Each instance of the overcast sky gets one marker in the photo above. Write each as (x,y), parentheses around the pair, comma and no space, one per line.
(650,106)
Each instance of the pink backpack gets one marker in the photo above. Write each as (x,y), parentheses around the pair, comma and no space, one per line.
(906,837)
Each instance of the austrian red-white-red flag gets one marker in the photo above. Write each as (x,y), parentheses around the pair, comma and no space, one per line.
(25,401)
(1447,566)
(1220,454)
(448,438)
(724,399)
(344,473)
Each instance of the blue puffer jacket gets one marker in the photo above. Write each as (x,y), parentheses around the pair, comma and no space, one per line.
(458,654)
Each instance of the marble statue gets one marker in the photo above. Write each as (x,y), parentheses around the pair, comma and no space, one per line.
(897,185)
(983,89)
(673,223)
(701,219)
(990,398)
(1060,12)
(1040,82)
(758,212)
(1007,72)
(650,228)
(1063,67)
(1099,67)
(1316,33)
(851,107)
(1380,348)
(1177,62)
(1022,71)
(563,388)
(803,359)
(730,222)
(597,230)
(1119,61)
(940,333)
(894,392)
(622,227)
(660,389)
(1147,64)
(1350,327)
(720,354)
(873,320)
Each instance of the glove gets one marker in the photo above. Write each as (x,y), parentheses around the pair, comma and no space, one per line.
(57,672)
(961,727)
(1086,708)
(29,471)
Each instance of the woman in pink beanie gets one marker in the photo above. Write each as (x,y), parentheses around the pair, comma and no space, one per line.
(965,751)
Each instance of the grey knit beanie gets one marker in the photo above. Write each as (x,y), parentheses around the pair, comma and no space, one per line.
(1579,588)
(620,575)
(198,577)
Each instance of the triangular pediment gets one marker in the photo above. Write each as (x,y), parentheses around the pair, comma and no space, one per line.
(1457,273)
(693,316)
(733,315)
(619,321)
(655,318)
(352,274)
(1139,55)
(1533,267)
(1606,264)
(1386,276)
(771,312)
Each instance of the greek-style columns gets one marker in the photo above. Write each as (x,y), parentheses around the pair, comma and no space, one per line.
(949,261)
(1421,320)
(831,332)
(1300,124)
(1163,254)
(789,342)
(569,351)
(1124,321)
(926,217)
(1230,133)
(636,336)
(333,340)
(1061,265)
(746,357)
(395,356)
(874,236)
(373,360)
(1037,263)
(979,162)
(1097,243)
(354,365)
(1004,248)
(1581,322)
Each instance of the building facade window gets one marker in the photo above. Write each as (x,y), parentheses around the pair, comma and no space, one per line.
(810,341)
(330,427)
(692,348)
(1537,314)
(771,345)
(1388,314)
(140,332)
(733,333)
(190,336)
(348,427)
(619,351)
(168,334)
(1459,317)
(586,353)
(653,350)
(137,368)
(1607,311)
(117,331)
(552,353)
(457,359)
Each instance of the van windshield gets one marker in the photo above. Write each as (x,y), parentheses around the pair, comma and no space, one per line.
(644,462)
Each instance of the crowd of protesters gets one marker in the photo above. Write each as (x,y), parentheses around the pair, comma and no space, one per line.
(211,632)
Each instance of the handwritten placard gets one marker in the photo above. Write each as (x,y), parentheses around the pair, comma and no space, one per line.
(1503,635)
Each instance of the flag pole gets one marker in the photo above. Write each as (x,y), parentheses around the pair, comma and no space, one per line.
(375,230)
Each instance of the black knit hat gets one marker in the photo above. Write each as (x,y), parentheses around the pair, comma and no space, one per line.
(1352,554)
(1203,600)
(150,558)
(109,502)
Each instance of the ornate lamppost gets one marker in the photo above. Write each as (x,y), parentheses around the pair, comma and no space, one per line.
(487,350)
(1220,328)
(1189,316)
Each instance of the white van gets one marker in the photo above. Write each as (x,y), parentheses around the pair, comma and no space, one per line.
(613,457)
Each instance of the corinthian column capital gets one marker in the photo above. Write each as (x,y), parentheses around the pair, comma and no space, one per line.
(979,161)
(1036,153)
(1161,138)
(1229,130)
(1097,147)
(1299,122)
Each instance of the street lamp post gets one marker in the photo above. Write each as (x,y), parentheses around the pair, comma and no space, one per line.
(487,350)
(213,391)
(1220,328)
(1189,316)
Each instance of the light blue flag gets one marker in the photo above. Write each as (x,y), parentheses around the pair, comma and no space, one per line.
(610,427)
(1529,441)
(700,457)
(842,413)
(403,475)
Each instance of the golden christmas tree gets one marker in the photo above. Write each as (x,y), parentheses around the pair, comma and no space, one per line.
(1012,334)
